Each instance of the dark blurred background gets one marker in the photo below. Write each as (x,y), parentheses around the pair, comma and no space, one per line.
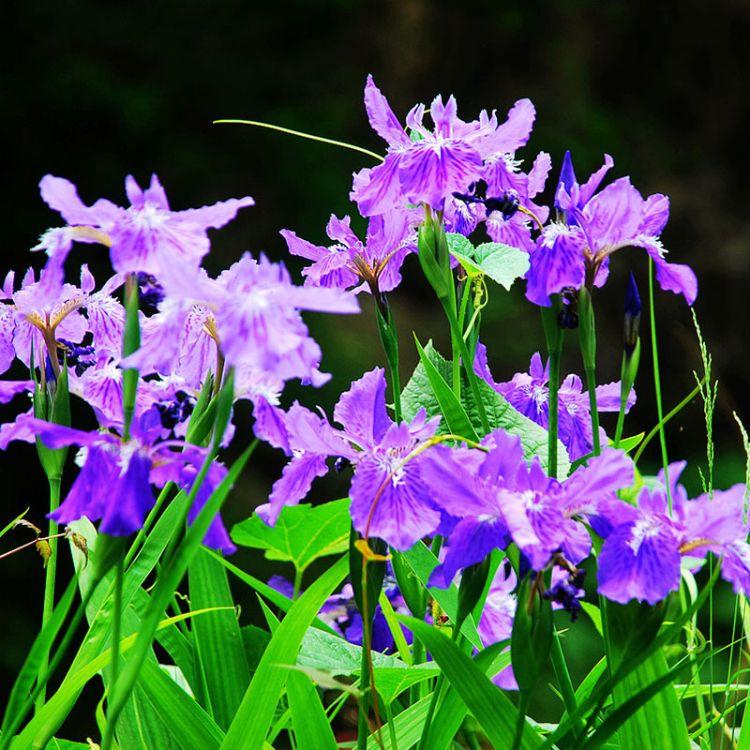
(95,91)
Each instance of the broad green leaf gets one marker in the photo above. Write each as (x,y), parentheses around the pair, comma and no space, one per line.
(303,533)
(391,681)
(253,719)
(453,413)
(502,263)
(334,654)
(407,726)
(309,721)
(255,640)
(491,707)
(217,639)
(418,394)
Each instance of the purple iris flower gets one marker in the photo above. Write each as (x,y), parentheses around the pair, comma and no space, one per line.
(350,263)
(426,166)
(498,498)
(252,312)
(144,237)
(115,481)
(390,499)
(529,394)
(576,251)
(646,544)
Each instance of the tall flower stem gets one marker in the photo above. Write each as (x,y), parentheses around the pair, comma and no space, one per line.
(50,574)
(564,682)
(555,337)
(116,635)
(657,382)
(587,341)
(131,342)
(389,339)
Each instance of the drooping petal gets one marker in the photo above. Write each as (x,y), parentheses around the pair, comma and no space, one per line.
(639,561)
(130,499)
(394,507)
(293,486)
(361,410)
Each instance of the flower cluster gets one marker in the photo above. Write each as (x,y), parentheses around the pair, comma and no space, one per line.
(461,468)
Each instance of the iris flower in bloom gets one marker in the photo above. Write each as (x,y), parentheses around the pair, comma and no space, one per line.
(127,469)
(390,499)
(251,312)
(575,252)
(645,545)
(349,263)
(497,498)
(147,236)
(426,166)
(529,394)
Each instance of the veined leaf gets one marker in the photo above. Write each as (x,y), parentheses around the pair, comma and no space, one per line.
(502,263)
(303,533)
(491,708)
(253,719)
(418,394)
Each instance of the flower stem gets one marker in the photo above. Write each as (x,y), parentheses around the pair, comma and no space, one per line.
(50,575)
(657,382)
(591,385)
(560,667)
(523,704)
(116,630)
(389,339)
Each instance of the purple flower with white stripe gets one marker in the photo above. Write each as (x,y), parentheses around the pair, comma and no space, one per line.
(529,394)
(645,545)
(498,498)
(128,469)
(147,236)
(426,166)
(575,251)
(350,263)
(390,499)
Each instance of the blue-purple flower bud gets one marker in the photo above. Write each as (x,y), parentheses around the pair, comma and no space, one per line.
(567,176)
(632,318)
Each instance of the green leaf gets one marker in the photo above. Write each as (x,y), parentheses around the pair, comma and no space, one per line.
(627,444)
(302,534)
(218,640)
(334,654)
(407,727)
(309,721)
(531,639)
(253,719)
(392,681)
(491,708)
(502,263)
(452,710)
(418,394)
(284,603)
(186,721)
(660,722)
(255,640)
(422,561)
(455,417)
